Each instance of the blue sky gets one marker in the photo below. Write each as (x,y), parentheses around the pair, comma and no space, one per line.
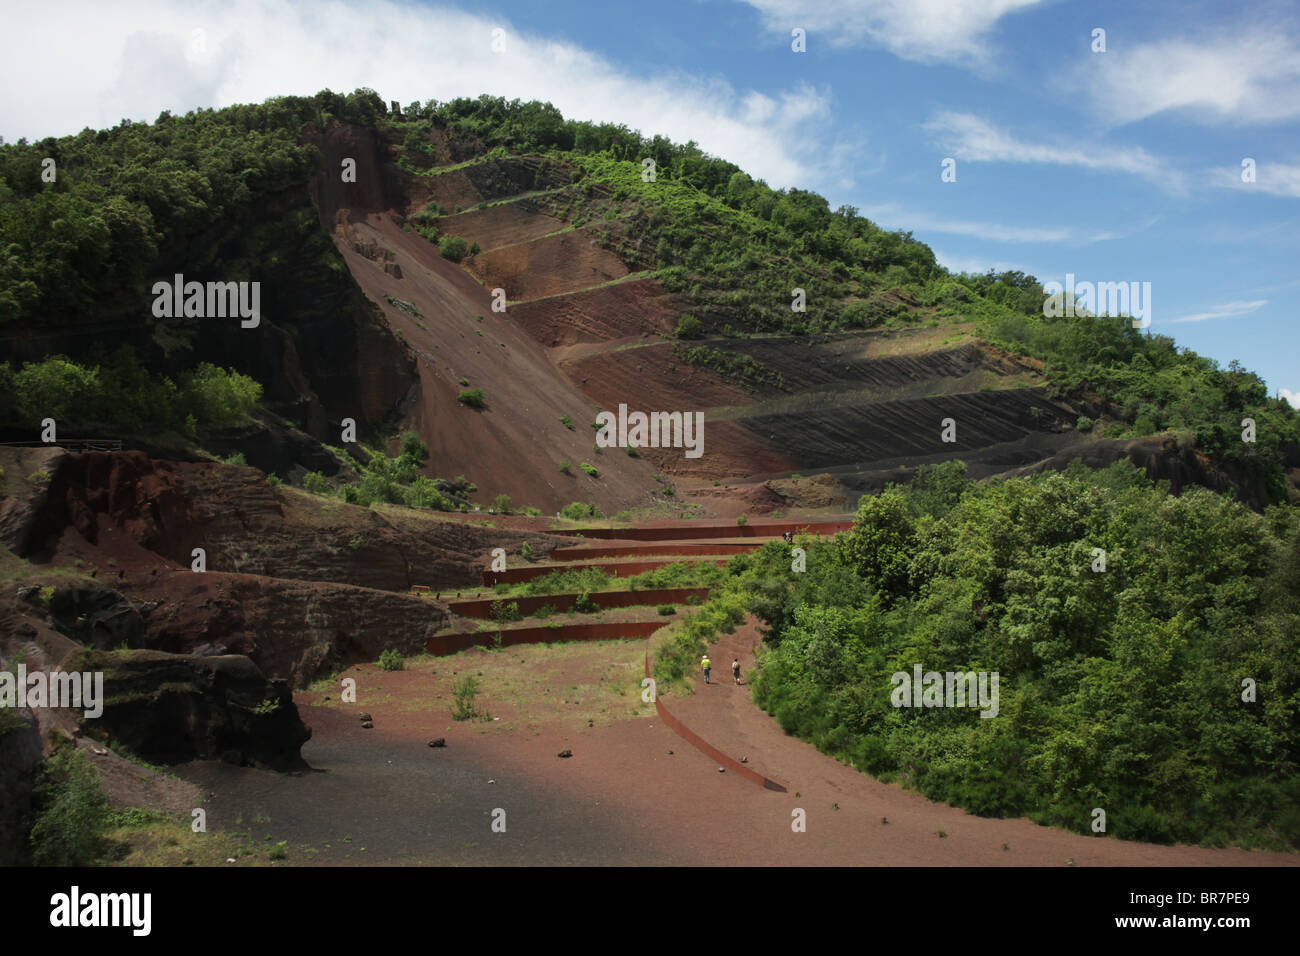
(1123,165)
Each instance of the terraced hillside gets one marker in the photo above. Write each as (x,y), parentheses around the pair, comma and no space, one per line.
(649,573)
(588,325)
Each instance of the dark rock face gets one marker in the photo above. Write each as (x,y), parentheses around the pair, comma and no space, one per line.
(176,707)
(170,508)
(20,758)
(97,616)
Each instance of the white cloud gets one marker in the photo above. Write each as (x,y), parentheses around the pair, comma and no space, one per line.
(924,30)
(922,222)
(1226,310)
(977,264)
(134,60)
(970,138)
(1292,397)
(1250,77)
(1276,179)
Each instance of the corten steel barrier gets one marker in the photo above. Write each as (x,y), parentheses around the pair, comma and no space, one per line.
(638,548)
(562,602)
(713,531)
(619,569)
(605,631)
(702,745)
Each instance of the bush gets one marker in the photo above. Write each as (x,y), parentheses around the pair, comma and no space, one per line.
(543,612)
(453,248)
(465,692)
(590,469)
(73,815)
(391,660)
(567,422)
(666,609)
(504,611)
(742,520)
(526,550)
(502,505)
(583,604)
(218,396)
(580,511)
(414,448)
(472,397)
(315,482)
(689,327)
(566,468)
(1084,423)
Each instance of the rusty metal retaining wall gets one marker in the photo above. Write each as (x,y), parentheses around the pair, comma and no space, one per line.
(647,549)
(562,602)
(619,569)
(702,745)
(605,631)
(772,530)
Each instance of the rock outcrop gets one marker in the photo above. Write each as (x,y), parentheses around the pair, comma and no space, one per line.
(170,708)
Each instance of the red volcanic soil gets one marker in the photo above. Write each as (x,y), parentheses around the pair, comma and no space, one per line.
(556,264)
(514,445)
(615,312)
(632,793)
(649,377)
(501,225)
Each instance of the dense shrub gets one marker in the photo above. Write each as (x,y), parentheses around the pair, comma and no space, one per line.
(472,397)
(73,814)
(580,511)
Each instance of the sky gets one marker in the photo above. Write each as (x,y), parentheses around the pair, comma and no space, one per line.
(1163,149)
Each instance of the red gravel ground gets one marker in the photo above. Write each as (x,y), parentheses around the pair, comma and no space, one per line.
(633,792)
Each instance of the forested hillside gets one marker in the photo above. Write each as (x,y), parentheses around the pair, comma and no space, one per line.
(224,193)
(1161,684)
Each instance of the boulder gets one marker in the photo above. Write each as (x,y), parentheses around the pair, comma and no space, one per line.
(170,708)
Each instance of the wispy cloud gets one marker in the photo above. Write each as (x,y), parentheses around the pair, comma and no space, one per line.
(973,139)
(1275,179)
(134,59)
(1292,397)
(891,214)
(1227,310)
(928,31)
(977,264)
(1252,76)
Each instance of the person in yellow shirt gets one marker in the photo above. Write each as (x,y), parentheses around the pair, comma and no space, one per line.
(706,664)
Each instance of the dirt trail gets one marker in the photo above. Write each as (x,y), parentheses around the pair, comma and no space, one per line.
(724,715)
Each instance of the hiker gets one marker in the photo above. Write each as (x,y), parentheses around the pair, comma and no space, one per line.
(706,664)
(735,670)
